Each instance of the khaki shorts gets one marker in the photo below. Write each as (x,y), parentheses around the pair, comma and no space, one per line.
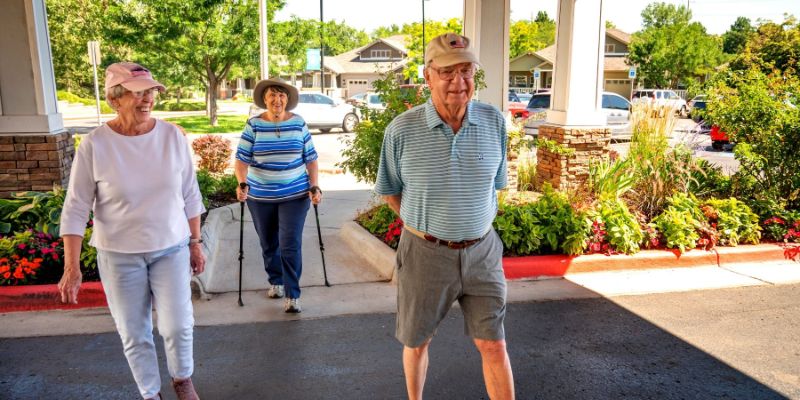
(430,277)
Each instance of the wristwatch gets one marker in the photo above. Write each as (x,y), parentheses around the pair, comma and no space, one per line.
(195,241)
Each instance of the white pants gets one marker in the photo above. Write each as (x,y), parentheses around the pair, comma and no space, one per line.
(133,283)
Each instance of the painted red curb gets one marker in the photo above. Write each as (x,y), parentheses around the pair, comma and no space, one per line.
(46,297)
(559,265)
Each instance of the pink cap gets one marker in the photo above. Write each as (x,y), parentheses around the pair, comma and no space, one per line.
(131,76)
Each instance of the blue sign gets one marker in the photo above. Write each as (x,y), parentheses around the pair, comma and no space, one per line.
(313,60)
(632,73)
(536,74)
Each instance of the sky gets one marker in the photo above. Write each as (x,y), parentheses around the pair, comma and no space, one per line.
(716,15)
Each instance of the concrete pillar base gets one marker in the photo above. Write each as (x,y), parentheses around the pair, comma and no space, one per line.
(35,162)
(569,171)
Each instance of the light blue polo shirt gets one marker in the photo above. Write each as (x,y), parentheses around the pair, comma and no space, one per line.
(448,181)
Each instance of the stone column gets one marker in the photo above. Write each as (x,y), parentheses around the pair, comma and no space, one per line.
(575,128)
(35,150)
(486,24)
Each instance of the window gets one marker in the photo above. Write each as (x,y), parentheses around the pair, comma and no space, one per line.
(611,48)
(306,98)
(379,54)
(614,102)
(320,99)
(520,80)
(540,101)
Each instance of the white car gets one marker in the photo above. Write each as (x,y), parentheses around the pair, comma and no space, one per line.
(616,108)
(662,97)
(322,112)
(371,100)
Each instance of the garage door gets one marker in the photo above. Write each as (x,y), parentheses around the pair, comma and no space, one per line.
(621,87)
(356,86)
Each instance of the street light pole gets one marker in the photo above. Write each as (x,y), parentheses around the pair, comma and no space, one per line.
(423,31)
(321,50)
(262,19)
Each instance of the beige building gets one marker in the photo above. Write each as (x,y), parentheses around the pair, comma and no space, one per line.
(524,68)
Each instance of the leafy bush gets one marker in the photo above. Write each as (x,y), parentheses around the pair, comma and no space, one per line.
(760,112)
(621,228)
(363,149)
(214,152)
(40,211)
(680,222)
(73,98)
(783,226)
(31,257)
(734,221)
(216,186)
(526,170)
(182,106)
(708,180)
(610,179)
(548,225)
(377,219)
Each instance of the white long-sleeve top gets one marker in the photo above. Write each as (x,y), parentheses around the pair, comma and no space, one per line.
(142,189)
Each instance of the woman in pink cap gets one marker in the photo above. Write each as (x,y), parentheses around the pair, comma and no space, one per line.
(135,173)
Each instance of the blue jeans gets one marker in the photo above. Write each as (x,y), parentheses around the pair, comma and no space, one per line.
(280,230)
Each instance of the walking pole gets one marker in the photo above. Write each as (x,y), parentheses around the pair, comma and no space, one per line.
(321,246)
(242,186)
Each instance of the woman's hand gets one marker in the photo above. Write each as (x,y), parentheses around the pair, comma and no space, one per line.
(241,192)
(315,194)
(70,283)
(197,259)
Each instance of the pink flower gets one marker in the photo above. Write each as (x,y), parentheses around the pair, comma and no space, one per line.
(21,246)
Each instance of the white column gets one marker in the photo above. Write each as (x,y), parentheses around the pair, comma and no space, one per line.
(578,70)
(486,24)
(27,85)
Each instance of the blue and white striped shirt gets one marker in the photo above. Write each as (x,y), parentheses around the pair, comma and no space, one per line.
(448,181)
(277,154)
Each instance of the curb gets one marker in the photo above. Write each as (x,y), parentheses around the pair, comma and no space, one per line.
(377,254)
(382,258)
(46,297)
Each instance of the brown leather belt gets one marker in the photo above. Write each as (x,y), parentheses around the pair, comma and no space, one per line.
(449,243)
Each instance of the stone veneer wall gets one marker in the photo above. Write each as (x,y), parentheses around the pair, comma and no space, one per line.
(569,171)
(35,162)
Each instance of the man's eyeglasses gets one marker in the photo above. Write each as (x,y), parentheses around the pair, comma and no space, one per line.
(141,93)
(448,74)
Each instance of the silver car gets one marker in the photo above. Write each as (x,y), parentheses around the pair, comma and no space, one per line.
(616,108)
(322,112)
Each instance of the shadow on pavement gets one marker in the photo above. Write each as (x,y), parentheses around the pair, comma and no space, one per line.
(575,349)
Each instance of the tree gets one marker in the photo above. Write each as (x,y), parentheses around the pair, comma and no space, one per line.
(414,41)
(530,36)
(670,49)
(734,39)
(386,31)
(207,37)
(771,47)
(72,23)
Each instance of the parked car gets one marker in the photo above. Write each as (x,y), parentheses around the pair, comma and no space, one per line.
(718,138)
(525,97)
(662,97)
(370,100)
(322,112)
(696,107)
(616,108)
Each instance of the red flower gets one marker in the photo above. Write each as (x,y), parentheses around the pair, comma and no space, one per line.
(21,246)
(54,256)
(18,274)
(7,275)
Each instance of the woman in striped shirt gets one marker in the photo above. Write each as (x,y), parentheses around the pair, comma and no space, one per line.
(277,161)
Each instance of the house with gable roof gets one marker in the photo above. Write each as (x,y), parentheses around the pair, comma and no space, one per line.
(615,67)
(353,72)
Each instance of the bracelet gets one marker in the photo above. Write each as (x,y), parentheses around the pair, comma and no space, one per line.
(314,189)
(243,185)
(195,241)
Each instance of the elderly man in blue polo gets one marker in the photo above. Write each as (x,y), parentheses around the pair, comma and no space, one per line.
(441,164)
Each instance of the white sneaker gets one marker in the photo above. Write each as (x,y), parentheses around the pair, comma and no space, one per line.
(291,305)
(275,292)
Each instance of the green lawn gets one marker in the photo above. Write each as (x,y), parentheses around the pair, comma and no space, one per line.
(199,124)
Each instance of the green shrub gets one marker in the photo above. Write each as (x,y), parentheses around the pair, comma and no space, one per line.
(680,223)
(548,225)
(622,231)
(734,221)
(377,219)
(363,149)
(708,180)
(610,179)
(760,112)
(171,105)
(214,152)
(72,98)
(40,211)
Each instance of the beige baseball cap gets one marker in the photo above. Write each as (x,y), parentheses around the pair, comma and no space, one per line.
(449,49)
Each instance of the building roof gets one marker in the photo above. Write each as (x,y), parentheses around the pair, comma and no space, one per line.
(349,62)
(615,33)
